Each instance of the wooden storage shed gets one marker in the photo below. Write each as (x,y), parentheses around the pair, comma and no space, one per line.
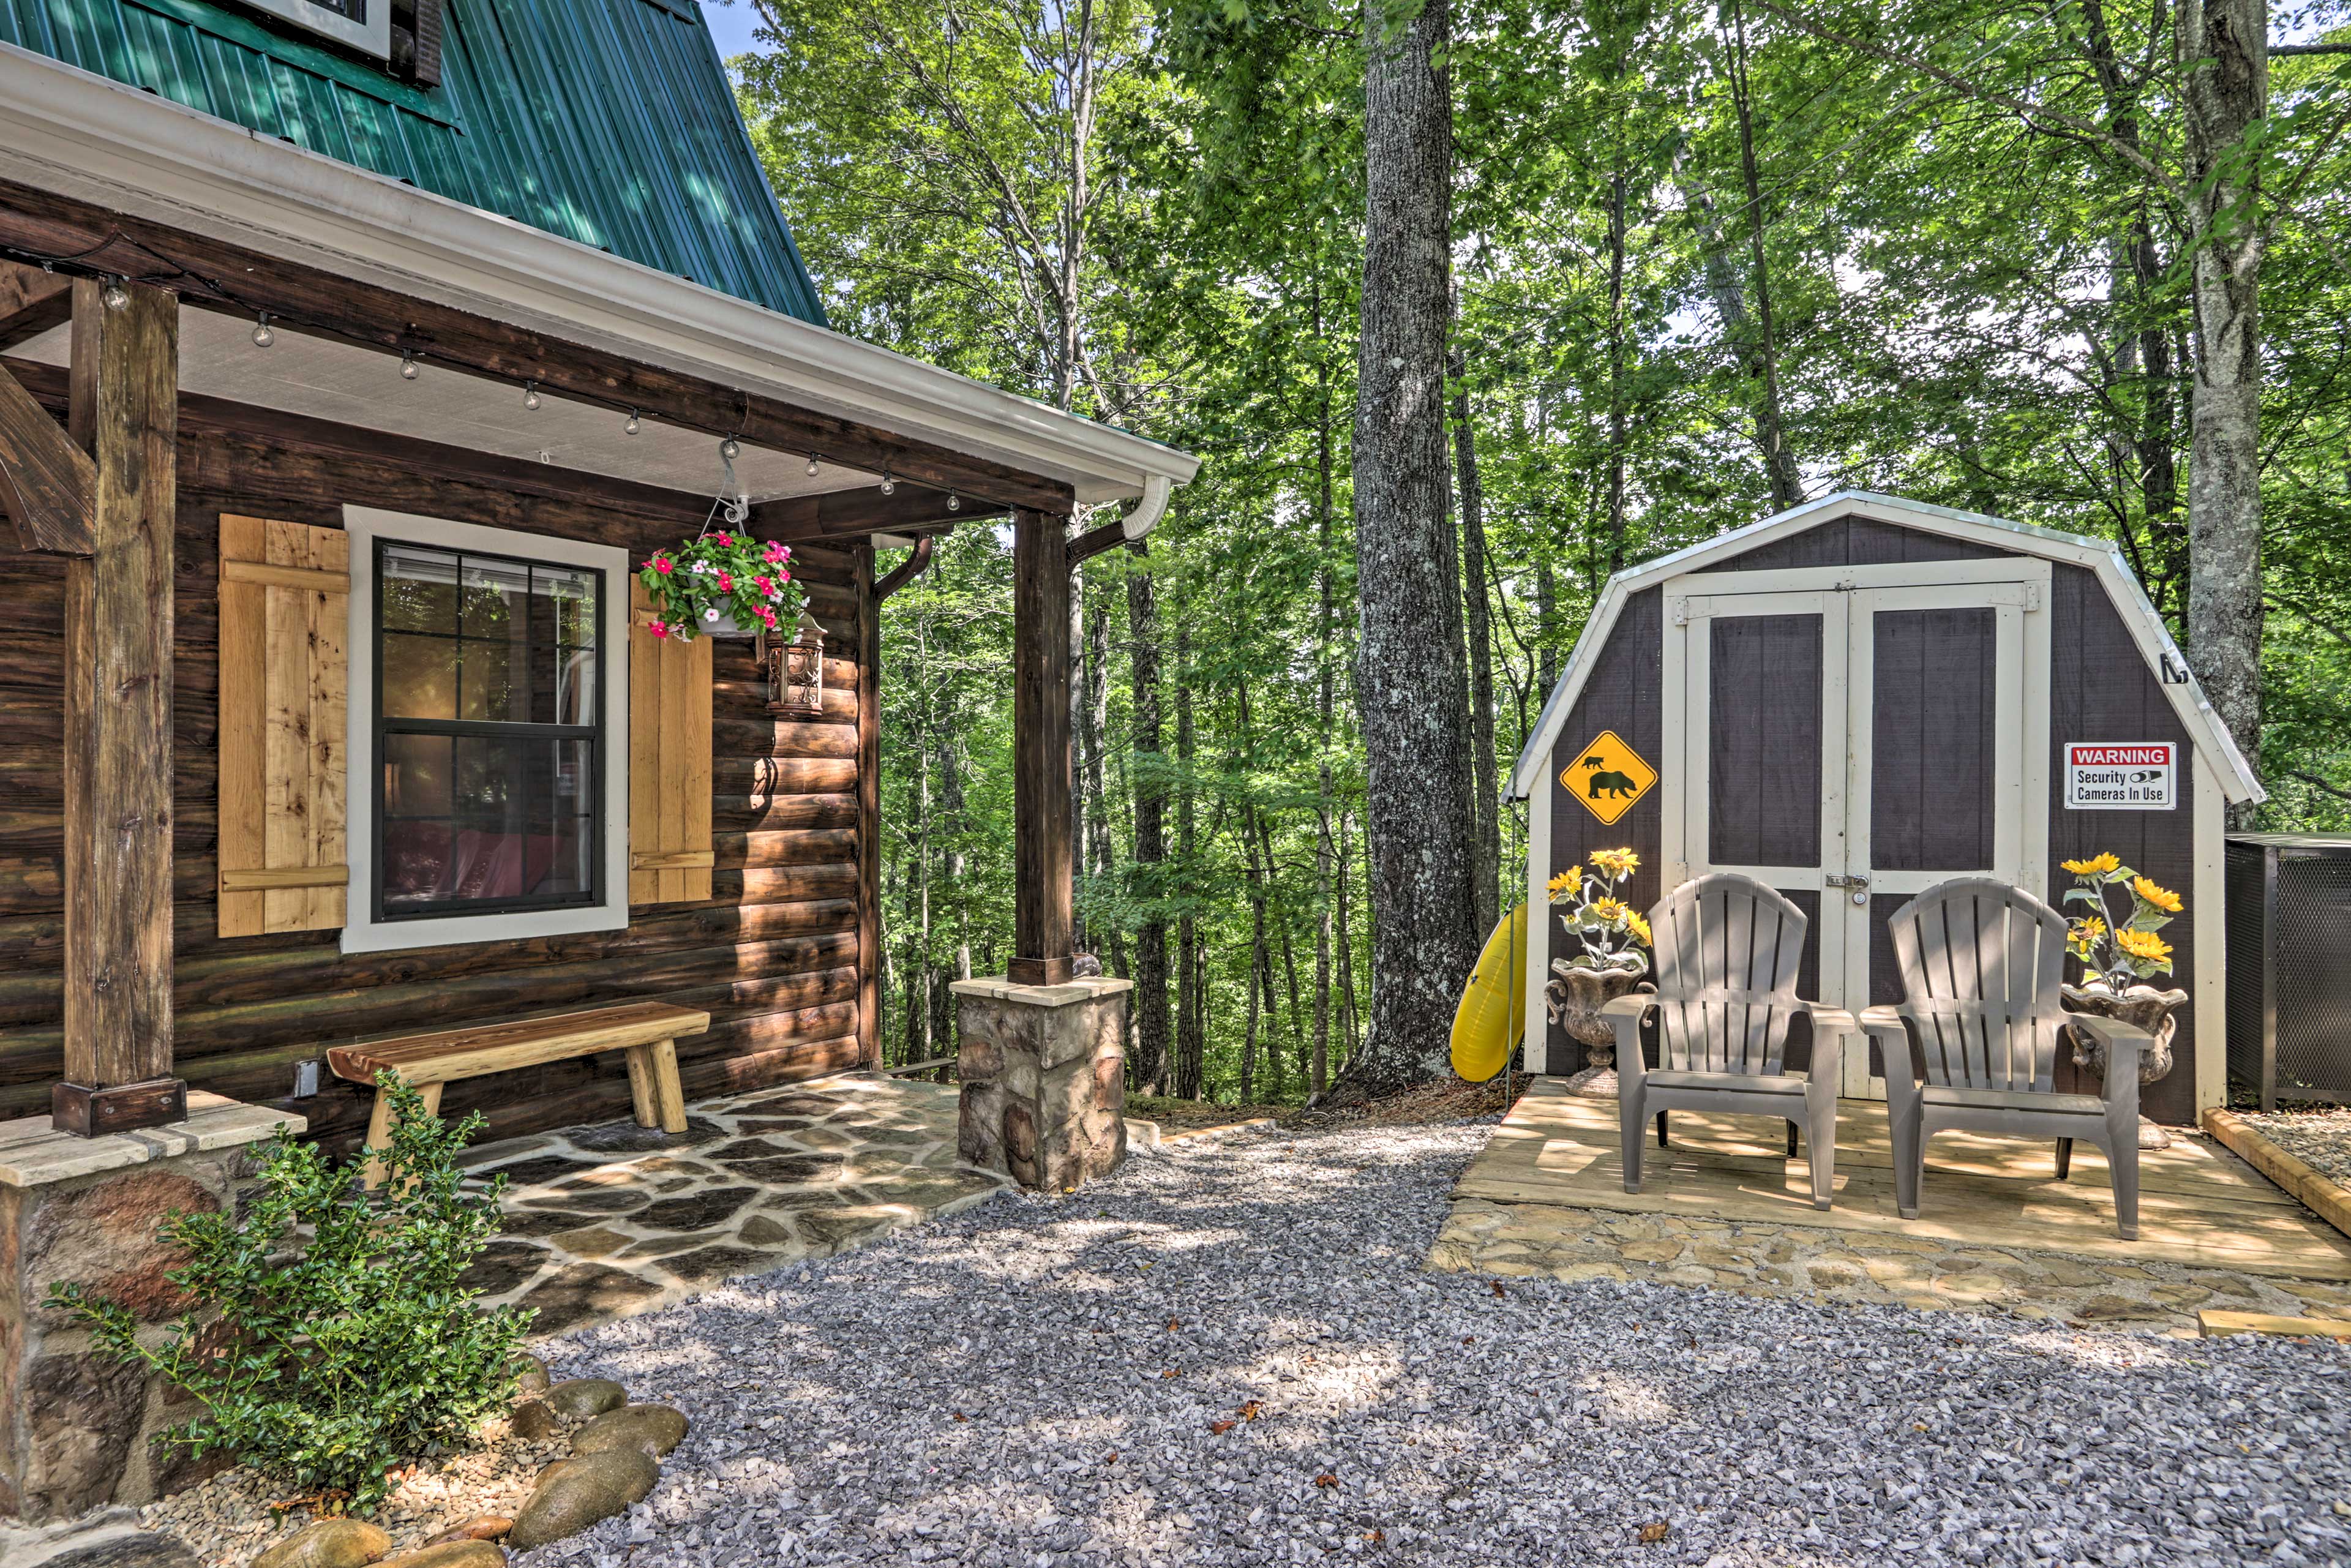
(1862,696)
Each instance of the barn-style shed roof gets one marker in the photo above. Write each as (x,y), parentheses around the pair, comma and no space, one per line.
(610,123)
(2100,557)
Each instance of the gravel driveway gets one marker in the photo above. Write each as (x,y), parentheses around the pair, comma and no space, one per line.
(1040,1382)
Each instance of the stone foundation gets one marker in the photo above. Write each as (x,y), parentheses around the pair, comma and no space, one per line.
(76,1426)
(1044,1079)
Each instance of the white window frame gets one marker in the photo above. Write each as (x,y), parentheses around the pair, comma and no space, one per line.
(362,933)
(372,37)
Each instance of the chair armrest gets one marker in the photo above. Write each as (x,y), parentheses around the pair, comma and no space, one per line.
(2124,1044)
(1827,1019)
(1624,1013)
(1884,1023)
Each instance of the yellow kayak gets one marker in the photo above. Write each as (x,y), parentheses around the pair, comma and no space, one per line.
(1493,1014)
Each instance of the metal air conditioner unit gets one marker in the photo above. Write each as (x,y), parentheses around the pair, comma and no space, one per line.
(2289,945)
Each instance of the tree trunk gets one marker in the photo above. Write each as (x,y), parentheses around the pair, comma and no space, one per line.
(1615,378)
(1779,459)
(1412,689)
(1319,1071)
(1485,785)
(2223,53)
(1352,1020)
(1148,1062)
(1190,1015)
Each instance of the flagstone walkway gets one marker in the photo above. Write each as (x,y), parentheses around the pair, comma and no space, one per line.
(606,1221)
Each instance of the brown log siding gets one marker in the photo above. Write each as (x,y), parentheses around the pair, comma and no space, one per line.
(773,956)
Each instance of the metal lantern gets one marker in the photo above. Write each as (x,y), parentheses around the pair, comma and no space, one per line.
(795,670)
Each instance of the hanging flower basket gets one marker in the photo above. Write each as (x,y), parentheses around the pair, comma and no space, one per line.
(722,584)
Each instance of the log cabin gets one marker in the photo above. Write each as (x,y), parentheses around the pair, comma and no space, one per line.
(353,354)
(1860,697)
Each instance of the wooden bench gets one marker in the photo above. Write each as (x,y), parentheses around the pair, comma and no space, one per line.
(648,1031)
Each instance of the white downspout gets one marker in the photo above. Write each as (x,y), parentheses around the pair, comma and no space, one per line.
(1156,489)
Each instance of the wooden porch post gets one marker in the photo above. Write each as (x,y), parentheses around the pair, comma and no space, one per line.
(1040,726)
(117,763)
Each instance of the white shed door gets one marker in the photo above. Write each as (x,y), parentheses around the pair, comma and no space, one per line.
(1851,736)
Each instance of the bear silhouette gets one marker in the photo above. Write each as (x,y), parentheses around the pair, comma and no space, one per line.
(1606,781)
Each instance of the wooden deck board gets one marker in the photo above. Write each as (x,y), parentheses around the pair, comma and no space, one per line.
(2199,1205)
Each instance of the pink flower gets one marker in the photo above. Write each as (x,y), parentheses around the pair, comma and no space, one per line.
(776,552)
(659,628)
(783,577)
(726,582)
(723,541)
(662,564)
(767,615)
(763,585)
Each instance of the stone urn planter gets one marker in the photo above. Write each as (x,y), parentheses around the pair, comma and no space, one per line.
(2143,1007)
(1575,1000)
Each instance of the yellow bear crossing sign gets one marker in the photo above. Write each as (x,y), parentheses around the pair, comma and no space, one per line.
(1608,777)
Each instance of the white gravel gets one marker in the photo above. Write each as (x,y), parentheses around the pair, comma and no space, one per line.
(1548,1424)
(2321,1139)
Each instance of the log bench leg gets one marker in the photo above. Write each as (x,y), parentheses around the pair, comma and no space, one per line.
(654,1086)
(378,1133)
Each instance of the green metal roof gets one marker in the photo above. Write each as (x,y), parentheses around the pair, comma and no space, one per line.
(607,121)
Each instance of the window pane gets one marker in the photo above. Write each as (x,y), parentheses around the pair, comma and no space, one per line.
(572,594)
(518,827)
(563,686)
(418,590)
(420,676)
(416,776)
(496,686)
(496,598)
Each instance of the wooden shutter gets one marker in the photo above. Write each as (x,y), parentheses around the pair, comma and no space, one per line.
(669,761)
(285,596)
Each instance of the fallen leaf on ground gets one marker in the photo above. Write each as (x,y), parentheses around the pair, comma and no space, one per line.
(1110,1457)
(1221,1428)
(1498,1287)
(1326,1480)
(1376,1536)
(1249,1410)
(1655,1531)
(1174,1323)
(961,1416)
(1468,1339)
(1171,1372)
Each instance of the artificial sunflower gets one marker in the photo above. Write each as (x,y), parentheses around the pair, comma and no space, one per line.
(2163,898)
(2096,866)
(2145,947)
(1610,911)
(1567,881)
(1617,864)
(1640,928)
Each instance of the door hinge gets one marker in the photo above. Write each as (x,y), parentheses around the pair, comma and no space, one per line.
(1680,610)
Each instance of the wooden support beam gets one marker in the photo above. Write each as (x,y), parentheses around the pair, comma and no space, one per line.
(869,811)
(1093,543)
(313,298)
(1041,824)
(118,697)
(31,302)
(48,485)
(849,514)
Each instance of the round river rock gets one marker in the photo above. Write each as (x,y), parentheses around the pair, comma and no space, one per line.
(578,1398)
(451,1554)
(535,1421)
(585,1490)
(530,1376)
(328,1543)
(655,1428)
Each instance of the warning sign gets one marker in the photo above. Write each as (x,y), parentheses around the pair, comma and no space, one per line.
(1608,777)
(2122,776)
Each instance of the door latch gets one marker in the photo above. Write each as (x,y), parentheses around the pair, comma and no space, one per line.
(1859,884)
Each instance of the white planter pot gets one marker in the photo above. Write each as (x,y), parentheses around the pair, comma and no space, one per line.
(725,626)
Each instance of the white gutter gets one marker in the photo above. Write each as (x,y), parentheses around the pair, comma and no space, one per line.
(83,136)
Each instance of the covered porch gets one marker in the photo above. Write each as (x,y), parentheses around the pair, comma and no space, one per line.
(1725,1205)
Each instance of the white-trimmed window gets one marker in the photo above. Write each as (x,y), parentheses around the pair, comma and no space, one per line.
(488,732)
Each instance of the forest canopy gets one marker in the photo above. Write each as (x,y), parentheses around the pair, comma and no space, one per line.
(1703,262)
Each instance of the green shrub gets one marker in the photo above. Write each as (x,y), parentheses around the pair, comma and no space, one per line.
(330,1340)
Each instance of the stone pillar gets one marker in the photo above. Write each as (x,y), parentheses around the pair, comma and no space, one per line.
(76,1426)
(1044,1079)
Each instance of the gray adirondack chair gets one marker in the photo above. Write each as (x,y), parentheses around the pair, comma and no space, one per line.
(1980,964)
(1727,949)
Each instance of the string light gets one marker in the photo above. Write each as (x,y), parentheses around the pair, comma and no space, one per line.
(889,485)
(730,449)
(954,502)
(635,423)
(262,336)
(114,294)
(408,364)
(530,396)
(812,465)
